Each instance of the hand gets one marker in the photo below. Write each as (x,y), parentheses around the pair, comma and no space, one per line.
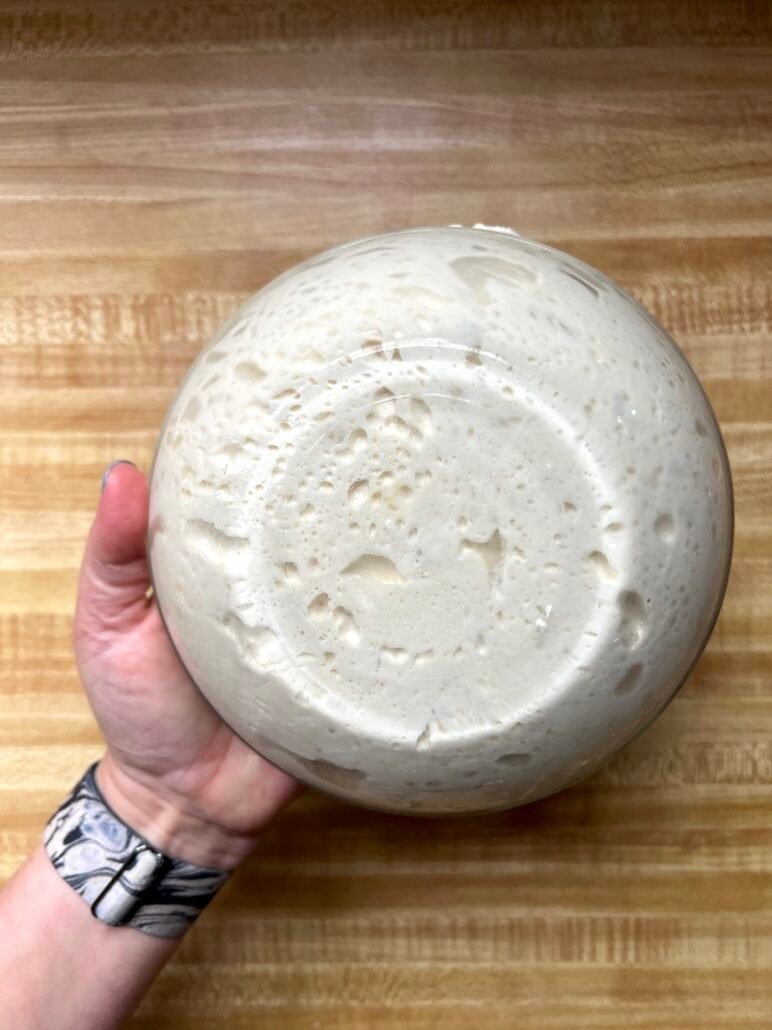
(173,770)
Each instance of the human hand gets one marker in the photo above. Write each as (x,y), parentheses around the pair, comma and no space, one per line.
(173,770)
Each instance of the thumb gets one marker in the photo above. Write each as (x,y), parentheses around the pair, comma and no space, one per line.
(114,576)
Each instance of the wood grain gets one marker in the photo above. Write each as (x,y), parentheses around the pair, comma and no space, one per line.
(160,162)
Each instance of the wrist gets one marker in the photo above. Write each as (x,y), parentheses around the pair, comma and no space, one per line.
(169,823)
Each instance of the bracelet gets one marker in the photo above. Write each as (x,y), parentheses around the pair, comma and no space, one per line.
(122,877)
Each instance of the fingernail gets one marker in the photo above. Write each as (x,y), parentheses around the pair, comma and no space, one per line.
(111,466)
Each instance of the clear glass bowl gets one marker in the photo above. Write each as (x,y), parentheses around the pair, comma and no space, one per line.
(440,520)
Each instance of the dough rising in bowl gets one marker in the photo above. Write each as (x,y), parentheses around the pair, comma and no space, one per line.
(440,520)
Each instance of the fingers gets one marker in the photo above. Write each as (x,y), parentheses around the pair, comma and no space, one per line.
(114,574)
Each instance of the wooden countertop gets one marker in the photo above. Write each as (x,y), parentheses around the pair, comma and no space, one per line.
(158,162)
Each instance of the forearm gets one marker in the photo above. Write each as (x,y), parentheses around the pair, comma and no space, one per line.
(62,969)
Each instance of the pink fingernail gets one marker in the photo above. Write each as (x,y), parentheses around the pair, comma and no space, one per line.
(111,466)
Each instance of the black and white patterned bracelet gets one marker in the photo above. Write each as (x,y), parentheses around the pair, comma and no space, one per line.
(122,877)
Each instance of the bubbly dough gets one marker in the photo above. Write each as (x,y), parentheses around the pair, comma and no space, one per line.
(440,520)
